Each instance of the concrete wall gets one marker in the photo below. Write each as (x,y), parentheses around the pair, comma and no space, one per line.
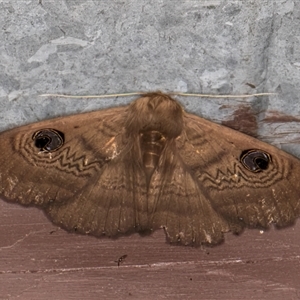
(101,47)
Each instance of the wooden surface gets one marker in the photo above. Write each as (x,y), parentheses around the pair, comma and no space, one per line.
(41,261)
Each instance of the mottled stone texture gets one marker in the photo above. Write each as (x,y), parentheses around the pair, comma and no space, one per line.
(100,47)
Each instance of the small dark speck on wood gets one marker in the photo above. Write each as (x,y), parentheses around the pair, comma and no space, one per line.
(120,259)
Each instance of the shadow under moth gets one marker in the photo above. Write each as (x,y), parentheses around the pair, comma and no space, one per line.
(145,166)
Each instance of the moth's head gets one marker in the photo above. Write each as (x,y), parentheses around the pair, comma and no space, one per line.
(157,112)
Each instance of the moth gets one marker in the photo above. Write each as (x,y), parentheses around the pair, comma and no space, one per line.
(145,166)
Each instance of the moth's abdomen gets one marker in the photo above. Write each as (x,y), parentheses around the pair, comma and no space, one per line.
(152,144)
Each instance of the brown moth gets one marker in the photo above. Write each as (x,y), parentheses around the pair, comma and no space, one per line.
(146,166)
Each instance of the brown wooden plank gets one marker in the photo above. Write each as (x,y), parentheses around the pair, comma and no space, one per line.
(40,261)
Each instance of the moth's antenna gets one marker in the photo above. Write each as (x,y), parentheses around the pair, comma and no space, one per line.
(90,96)
(223,96)
(141,93)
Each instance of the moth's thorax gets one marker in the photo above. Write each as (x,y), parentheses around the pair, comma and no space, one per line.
(154,118)
(155,112)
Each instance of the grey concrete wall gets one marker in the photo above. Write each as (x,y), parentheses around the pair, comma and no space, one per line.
(101,47)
